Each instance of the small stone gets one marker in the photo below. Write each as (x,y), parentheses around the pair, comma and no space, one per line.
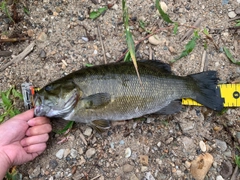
(53,163)
(144,168)
(80,150)
(237,10)
(232,14)
(73,153)
(43,54)
(154,40)
(172,50)
(163,6)
(81,160)
(115,7)
(128,152)
(219,177)
(226,169)
(159,144)
(60,153)
(169,140)
(36,172)
(66,153)
(108,55)
(88,131)
(134,177)
(30,32)
(144,160)
(221,144)
(90,152)
(42,37)
(188,143)
(127,168)
(201,165)
(203,146)
(149,176)
(187,164)
(55,13)
(228,154)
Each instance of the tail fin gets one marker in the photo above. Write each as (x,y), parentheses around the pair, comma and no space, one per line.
(208,92)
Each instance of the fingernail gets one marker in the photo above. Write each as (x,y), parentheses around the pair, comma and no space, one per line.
(23,143)
(28,133)
(31,122)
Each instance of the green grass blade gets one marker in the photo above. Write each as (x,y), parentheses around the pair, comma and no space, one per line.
(175,29)
(130,43)
(127,57)
(230,56)
(68,126)
(95,14)
(26,10)
(188,48)
(162,13)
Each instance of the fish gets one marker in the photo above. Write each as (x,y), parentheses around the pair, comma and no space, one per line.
(113,92)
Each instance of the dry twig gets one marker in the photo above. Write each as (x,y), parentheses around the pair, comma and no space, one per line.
(204,61)
(13,39)
(190,31)
(103,48)
(21,56)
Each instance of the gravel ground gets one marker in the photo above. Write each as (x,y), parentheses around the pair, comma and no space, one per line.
(151,147)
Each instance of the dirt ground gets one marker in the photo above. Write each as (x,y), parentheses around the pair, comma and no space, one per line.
(152,147)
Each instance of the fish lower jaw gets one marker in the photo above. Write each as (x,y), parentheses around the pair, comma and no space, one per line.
(69,116)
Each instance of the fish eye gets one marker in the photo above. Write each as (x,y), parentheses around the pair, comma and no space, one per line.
(48,88)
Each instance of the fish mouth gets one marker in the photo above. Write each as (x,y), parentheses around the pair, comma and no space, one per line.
(40,109)
(61,108)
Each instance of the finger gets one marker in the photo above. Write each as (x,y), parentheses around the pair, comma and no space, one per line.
(38,121)
(34,140)
(25,115)
(36,148)
(37,130)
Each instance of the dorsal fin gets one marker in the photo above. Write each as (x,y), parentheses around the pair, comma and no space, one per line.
(158,64)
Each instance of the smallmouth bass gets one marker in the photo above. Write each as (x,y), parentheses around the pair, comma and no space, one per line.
(99,94)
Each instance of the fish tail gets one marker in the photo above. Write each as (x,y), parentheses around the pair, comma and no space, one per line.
(208,93)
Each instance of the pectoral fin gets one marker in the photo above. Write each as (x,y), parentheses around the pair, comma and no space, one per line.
(173,107)
(96,100)
(100,125)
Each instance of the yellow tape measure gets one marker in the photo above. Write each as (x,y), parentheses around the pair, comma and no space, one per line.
(230,92)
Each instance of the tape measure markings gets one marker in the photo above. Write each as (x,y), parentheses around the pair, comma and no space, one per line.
(230,93)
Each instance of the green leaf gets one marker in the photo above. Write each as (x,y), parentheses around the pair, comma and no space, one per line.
(68,126)
(230,56)
(2,117)
(188,48)
(205,31)
(237,23)
(141,24)
(175,29)
(17,94)
(237,160)
(6,102)
(162,13)
(88,65)
(8,92)
(11,113)
(26,10)
(95,14)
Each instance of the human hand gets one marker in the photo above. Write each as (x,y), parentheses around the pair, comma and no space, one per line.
(23,137)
